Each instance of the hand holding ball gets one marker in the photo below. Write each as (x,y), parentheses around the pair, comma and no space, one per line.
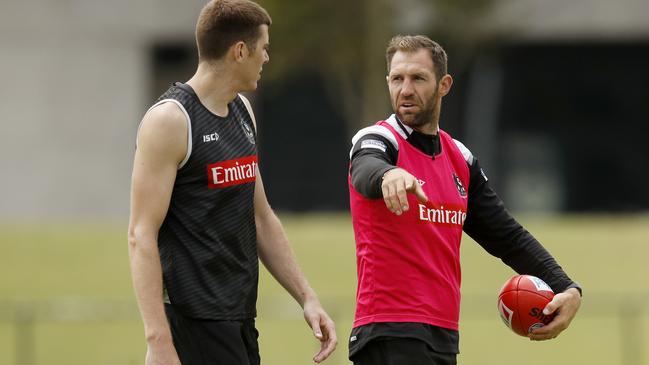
(521,302)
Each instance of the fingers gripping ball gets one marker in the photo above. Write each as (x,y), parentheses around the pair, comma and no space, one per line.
(521,302)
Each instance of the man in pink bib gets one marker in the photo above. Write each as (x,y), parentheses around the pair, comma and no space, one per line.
(413,190)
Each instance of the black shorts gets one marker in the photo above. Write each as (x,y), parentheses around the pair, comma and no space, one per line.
(399,351)
(206,342)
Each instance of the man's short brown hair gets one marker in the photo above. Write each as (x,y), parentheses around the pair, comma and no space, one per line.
(223,23)
(413,43)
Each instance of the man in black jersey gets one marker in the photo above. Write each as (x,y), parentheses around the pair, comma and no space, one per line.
(417,80)
(200,220)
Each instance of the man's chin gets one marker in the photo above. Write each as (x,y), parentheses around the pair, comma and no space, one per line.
(250,87)
(410,120)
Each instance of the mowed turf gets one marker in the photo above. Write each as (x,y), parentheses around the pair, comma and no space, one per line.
(72,281)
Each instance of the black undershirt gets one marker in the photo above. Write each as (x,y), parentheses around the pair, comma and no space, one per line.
(487,222)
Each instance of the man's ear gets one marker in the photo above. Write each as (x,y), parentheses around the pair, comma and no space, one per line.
(239,51)
(445,84)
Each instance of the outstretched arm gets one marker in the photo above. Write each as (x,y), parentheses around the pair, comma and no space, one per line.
(374,174)
(277,256)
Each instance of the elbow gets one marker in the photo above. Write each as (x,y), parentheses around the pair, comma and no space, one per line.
(132,238)
(259,221)
(260,228)
(139,238)
(264,215)
(266,223)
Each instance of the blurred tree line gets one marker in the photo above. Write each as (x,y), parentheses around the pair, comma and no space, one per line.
(326,80)
(344,43)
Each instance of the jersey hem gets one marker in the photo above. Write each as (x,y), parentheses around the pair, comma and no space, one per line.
(379,318)
(227,317)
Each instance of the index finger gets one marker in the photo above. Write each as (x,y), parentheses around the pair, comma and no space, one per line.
(419,193)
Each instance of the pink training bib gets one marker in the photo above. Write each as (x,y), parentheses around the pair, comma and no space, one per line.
(408,266)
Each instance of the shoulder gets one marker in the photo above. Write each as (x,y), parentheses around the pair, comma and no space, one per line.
(466,153)
(474,165)
(375,138)
(376,131)
(164,129)
(165,116)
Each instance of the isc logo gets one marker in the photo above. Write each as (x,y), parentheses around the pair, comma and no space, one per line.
(211,137)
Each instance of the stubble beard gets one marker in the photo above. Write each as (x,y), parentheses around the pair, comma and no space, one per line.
(430,115)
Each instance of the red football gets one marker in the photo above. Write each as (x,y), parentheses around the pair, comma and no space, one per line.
(521,302)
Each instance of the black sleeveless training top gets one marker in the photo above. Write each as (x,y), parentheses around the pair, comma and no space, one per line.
(208,240)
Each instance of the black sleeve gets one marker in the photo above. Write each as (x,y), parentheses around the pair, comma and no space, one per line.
(491,225)
(372,156)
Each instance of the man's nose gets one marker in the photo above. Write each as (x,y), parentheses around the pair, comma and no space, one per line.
(407,88)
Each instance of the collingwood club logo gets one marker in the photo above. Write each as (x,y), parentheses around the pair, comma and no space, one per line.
(248,131)
(459,186)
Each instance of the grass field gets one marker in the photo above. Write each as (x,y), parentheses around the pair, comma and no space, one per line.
(66,297)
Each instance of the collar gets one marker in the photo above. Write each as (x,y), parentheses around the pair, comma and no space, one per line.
(428,144)
(404,130)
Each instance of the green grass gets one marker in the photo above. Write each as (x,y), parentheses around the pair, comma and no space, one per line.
(75,278)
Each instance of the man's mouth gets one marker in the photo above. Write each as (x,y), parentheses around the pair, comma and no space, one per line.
(407,107)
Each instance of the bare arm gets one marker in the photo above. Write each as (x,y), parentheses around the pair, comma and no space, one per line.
(277,256)
(162,144)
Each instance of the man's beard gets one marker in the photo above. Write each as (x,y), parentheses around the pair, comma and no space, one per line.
(426,116)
